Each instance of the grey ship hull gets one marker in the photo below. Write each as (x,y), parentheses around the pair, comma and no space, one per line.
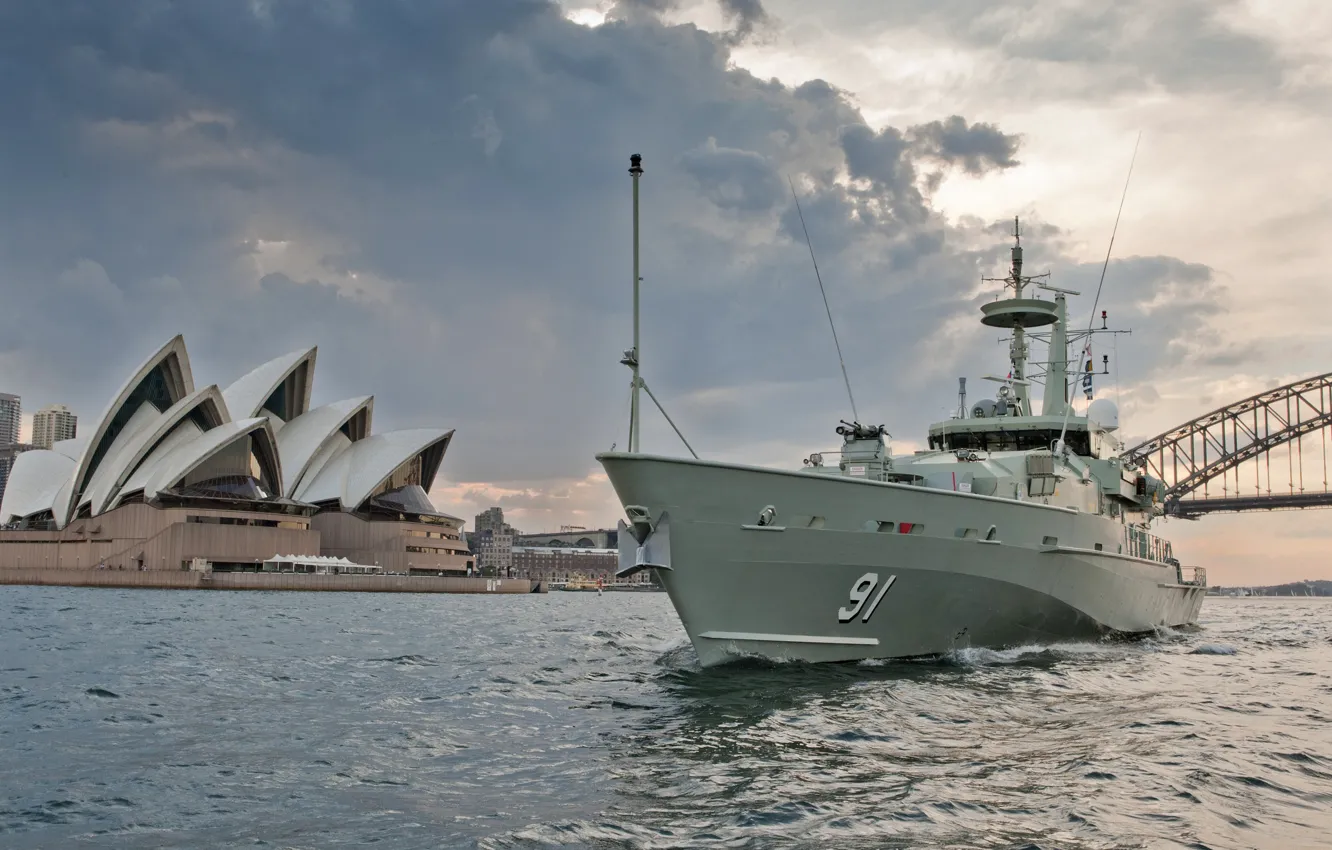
(833,577)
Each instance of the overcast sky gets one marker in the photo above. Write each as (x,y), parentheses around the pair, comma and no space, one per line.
(435,193)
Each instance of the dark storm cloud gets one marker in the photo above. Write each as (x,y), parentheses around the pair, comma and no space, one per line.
(977,148)
(734,179)
(882,159)
(436,194)
(889,159)
(745,16)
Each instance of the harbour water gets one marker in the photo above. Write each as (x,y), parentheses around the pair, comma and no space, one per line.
(133,718)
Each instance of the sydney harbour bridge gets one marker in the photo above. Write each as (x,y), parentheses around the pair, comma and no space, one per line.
(1265,452)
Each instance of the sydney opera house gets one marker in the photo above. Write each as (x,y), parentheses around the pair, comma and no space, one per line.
(173,475)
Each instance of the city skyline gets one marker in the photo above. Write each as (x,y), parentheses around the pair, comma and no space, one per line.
(480,226)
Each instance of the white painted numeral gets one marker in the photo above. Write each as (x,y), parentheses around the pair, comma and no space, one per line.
(860,592)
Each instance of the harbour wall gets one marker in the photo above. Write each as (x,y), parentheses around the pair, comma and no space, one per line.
(183,580)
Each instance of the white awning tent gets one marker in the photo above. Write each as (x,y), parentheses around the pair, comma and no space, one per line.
(316,564)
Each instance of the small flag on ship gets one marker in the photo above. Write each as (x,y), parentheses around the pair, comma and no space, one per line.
(1087,375)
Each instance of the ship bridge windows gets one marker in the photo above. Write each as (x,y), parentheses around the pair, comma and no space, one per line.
(1002,440)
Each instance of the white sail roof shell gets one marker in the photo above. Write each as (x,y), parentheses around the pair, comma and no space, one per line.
(120,463)
(72,449)
(180,456)
(141,421)
(176,441)
(300,440)
(336,444)
(176,362)
(353,474)
(246,397)
(36,482)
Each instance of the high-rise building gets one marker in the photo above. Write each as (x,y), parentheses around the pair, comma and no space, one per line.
(10,415)
(10,408)
(492,543)
(491,519)
(52,424)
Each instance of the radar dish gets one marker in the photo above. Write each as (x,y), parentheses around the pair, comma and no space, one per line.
(1019,313)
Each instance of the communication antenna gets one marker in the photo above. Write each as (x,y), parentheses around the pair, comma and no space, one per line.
(824,293)
(1091,322)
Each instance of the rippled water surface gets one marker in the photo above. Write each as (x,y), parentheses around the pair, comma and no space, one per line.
(206,719)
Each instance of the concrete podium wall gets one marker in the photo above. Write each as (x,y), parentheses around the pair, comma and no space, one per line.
(164,538)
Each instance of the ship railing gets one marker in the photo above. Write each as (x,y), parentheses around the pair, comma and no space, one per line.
(1196,576)
(1140,543)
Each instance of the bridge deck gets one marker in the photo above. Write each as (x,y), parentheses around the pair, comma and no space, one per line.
(1192,508)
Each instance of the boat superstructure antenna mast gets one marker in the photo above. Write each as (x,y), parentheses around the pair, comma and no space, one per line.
(840,359)
(1018,347)
(635,171)
(1017,314)
(631,357)
(1091,322)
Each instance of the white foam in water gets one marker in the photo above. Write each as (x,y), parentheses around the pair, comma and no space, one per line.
(979,656)
(982,657)
(1213,649)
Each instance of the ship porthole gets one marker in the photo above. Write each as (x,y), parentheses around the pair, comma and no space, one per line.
(992,533)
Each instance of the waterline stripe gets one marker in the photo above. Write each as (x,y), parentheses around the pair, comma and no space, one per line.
(755,636)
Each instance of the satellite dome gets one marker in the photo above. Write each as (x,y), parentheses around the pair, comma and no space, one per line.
(1104,413)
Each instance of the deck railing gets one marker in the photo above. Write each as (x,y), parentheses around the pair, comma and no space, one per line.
(1140,543)
(1192,575)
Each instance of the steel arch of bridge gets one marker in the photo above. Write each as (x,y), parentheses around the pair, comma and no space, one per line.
(1189,456)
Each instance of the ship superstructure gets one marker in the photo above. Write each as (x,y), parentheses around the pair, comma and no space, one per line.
(1012,527)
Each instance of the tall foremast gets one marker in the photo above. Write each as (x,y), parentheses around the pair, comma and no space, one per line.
(630,358)
(1018,314)
(1055,398)
(1017,348)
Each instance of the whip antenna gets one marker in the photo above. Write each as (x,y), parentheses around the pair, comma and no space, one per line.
(824,293)
(1091,322)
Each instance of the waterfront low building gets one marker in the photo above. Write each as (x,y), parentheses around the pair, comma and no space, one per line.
(571,538)
(560,564)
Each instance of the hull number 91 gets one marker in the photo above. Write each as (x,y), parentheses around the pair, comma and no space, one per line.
(862,590)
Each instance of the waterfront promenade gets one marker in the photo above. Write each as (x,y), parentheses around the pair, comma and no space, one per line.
(188,580)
